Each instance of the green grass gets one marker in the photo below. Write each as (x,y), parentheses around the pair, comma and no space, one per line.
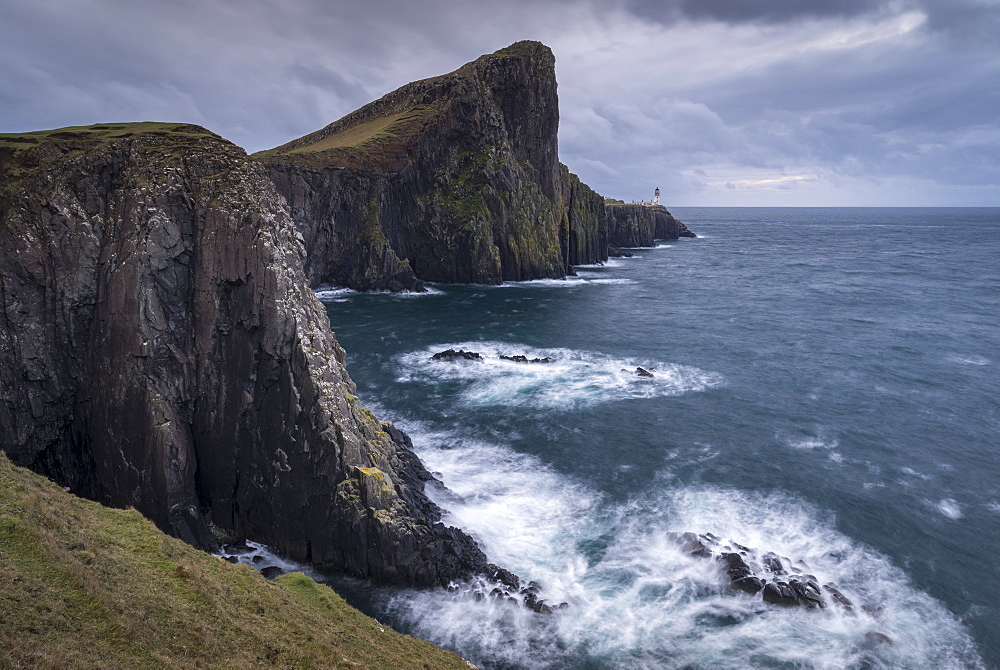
(21,152)
(385,128)
(103,133)
(86,586)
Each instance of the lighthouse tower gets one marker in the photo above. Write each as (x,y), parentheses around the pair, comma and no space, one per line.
(656,196)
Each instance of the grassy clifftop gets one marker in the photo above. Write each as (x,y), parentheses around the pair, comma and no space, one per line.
(86,586)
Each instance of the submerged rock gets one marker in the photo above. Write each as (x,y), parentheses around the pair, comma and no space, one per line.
(614,252)
(520,358)
(453,355)
(765,574)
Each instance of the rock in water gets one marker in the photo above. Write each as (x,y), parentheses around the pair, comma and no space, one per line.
(453,355)
(643,372)
(162,350)
(521,358)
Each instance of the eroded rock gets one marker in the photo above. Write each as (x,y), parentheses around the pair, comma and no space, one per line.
(456,355)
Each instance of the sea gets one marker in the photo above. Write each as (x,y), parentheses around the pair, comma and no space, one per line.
(826,387)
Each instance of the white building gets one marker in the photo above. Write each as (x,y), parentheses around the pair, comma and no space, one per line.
(650,203)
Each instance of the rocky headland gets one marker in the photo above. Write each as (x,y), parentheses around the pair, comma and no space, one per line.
(163,349)
(453,179)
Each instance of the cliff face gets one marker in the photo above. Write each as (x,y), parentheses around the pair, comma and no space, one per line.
(584,227)
(162,350)
(451,179)
(640,225)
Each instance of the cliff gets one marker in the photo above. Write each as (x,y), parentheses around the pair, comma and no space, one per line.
(85,586)
(584,226)
(640,225)
(449,179)
(452,179)
(162,350)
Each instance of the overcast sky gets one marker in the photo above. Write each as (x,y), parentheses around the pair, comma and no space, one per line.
(717,102)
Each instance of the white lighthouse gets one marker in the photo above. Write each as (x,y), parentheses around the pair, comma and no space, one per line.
(656,196)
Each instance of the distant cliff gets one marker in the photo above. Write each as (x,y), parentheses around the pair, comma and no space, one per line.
(640,225)
(450,179)
(162,350)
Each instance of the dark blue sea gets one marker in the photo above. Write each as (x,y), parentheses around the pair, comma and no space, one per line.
(826,387)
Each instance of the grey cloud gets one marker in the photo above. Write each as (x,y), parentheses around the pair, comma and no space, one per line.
(737,11)
(922,106)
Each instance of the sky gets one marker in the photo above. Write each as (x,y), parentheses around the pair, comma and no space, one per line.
(716,102)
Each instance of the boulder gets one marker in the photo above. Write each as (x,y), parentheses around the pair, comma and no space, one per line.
(780,593)
(271,571)
(520,358)
(453,355)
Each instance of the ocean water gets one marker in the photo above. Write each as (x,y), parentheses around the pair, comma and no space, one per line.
(826,387)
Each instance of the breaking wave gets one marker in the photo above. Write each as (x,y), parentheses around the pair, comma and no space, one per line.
(571,379)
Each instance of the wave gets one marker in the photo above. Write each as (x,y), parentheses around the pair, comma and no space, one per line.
(340,294)
(968,359)
(948,507)
(572,378)
(568,282)
(635,600)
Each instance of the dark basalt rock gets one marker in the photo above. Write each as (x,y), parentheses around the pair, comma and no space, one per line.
(520,358)
(643,372)
(239,547)
(454,178)
(453,355)
(695,545)
(618,253)
(162,350)
(740,575)
(748,572)
(807,592)
(876,638)
(838,596)
(780,593)
(505,577)
(773,564)
(271,571)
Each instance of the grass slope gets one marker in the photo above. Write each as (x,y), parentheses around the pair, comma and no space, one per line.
(86,586)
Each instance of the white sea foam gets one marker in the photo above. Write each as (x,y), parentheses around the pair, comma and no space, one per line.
(949,508)
(968,359)
(610,263)
(822,441)
(329,293)
(993,506)
(636,601)
(267,558)
(342,294)
(569,282)
(572,378)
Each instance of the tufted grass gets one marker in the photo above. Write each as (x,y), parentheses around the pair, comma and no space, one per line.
(87,586)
